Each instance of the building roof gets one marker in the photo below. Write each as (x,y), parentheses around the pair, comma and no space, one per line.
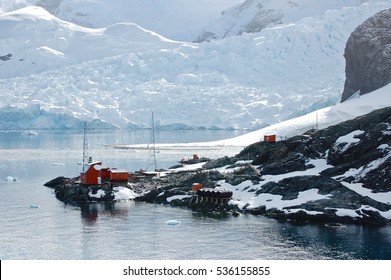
(118,171)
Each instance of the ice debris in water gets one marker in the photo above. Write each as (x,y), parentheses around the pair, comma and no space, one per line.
(10,179)
(173,222)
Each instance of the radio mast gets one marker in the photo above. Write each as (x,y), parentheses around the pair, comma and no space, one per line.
(85,147)
(151,147)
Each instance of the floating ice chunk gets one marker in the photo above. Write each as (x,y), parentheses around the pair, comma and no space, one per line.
(173,222)
(10,179)
(30,133)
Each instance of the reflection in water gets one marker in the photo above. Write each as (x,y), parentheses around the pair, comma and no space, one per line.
(247,236)
(89,213)
(343,242)
(92,211)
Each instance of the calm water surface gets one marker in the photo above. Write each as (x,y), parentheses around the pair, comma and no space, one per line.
(35,225)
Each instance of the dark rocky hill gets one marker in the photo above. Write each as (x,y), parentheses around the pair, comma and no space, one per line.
(346,167)
(368,56)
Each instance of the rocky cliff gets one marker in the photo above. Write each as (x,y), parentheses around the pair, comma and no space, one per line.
(368,56)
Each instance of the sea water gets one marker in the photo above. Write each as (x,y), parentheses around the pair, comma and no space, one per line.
(35,225)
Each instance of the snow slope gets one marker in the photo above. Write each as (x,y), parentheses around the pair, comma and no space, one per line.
(38,41)
(120,73)
(175,19)
(322,118)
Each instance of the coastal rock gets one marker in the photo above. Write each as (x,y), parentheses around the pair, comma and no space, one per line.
(220,162)
(242,174)
(368,56)
(70,191)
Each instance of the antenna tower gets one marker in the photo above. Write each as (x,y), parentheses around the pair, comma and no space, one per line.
(151,147)
(85,147)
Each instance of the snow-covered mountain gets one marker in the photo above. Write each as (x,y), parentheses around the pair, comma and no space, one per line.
(38,41)
(252,16)
(176,19)
(11,5)
(121,72)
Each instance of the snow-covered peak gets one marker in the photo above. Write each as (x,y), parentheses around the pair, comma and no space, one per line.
(27,13)
(37,41)
(254,15)
(175,19)
(11,5)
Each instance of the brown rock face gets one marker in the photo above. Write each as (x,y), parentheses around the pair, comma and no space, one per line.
(368,56)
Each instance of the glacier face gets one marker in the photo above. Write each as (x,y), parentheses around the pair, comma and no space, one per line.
(120,73)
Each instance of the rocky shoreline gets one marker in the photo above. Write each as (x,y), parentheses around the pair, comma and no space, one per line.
(336,175)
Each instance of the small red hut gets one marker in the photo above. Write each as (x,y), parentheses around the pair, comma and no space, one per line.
(118,177)
(271,138)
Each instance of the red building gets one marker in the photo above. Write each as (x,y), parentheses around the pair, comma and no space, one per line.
(271,138)
(118,177)
(96,174)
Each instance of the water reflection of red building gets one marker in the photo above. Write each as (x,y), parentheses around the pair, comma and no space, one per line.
(90,212)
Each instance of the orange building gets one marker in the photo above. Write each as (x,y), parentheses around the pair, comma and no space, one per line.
(271,138)
(118,177)
(96,174)
(196,187)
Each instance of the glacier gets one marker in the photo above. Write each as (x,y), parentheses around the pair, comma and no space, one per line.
(60,73)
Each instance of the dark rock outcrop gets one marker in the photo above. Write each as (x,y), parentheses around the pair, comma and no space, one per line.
(70,191)
(368,56)
(5,57)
